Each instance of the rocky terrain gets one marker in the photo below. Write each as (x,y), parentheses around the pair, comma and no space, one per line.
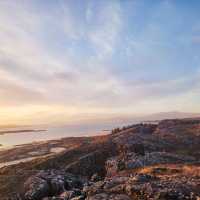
(139,162)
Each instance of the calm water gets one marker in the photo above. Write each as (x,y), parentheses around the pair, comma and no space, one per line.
(11,139)
(53,151)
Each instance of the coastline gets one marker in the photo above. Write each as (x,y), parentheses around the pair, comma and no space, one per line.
(11,155)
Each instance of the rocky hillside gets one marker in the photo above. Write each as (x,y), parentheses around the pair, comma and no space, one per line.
(138,162)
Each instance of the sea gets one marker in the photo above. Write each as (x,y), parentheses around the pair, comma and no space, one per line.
(46,133)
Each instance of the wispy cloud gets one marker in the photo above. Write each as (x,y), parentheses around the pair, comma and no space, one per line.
(96,56)
(108,24)
(13,94)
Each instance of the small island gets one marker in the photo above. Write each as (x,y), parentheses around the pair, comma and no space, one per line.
(21,131)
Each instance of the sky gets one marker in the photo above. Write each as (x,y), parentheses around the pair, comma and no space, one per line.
(65,61)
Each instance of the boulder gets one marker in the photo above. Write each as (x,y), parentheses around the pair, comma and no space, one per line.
(49,183)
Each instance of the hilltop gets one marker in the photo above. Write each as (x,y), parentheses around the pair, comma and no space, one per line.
(137,162)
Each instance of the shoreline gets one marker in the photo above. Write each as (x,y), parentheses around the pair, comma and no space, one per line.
(29,151)
(38,154)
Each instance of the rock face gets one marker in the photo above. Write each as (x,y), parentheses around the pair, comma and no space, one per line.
(50,183)
(89,164)
(133,161)
(141,162)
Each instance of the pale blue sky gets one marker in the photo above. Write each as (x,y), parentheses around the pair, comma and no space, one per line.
(71,58)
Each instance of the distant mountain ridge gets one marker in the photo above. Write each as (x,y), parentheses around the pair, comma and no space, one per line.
(101,122)
(171,115)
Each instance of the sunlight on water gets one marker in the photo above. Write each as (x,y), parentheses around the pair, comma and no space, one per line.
(11,139)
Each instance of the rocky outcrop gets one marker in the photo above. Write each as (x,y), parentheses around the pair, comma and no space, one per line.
(133,161)
(51,183)
(147,186)
(166,182)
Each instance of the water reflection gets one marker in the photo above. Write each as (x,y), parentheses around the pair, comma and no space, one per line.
(51,133)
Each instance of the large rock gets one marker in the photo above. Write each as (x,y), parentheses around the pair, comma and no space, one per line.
(37,188)
(49,183)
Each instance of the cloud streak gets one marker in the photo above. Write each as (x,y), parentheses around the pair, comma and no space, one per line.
(97,56)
